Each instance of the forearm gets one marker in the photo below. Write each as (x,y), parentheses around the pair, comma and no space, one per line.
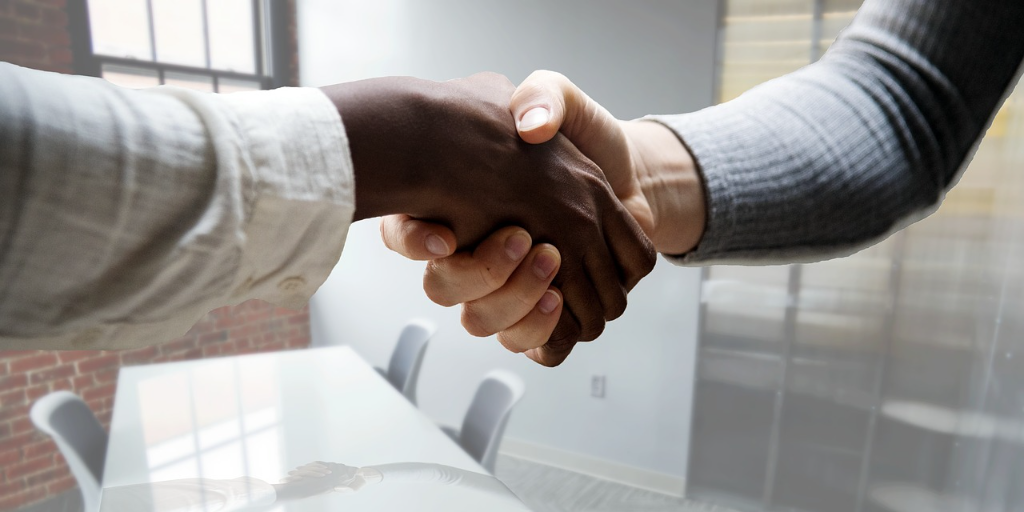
(127,215)
(671,184)
(821,162)
(386,124)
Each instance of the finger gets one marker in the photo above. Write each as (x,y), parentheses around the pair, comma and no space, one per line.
(551,355)
(416,239)
(516,298)
(536,327)
(464,276)
(604,273)
(583,302)
(632,251)
(547,103)
(539,105)
(562,339)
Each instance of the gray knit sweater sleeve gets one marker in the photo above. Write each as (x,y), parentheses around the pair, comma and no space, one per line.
(843,152)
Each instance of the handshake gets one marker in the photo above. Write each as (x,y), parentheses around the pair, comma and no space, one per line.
(537,210)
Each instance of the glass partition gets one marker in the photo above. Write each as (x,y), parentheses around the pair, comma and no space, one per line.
(890,380)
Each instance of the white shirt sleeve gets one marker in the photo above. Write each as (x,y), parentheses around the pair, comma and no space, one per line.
(126,215)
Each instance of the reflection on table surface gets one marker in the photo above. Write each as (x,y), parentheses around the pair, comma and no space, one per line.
(458,486)
(220,434)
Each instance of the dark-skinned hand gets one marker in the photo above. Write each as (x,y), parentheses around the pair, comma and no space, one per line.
(449,153)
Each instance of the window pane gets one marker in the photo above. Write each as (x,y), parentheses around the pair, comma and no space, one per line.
(135,78)
(120,28)
(189,81)
(232,45)
(179,32)
(227,85)
(763,40)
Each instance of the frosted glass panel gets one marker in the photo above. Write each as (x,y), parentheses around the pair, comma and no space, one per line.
(120,28)
(231,35)
(891,380)
(178,29)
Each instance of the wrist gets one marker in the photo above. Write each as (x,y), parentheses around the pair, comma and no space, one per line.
(672,185)
(383,119)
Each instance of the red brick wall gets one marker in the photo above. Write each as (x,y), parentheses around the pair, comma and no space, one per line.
(31,468)
(33,33)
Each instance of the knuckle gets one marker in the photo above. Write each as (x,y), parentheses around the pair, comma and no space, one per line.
(555,353)
(490,276)
(434,287)
(650,257)
(510,342)
(617,306)
(592,332)
(549,75)
(385,233)
(551,361)
(473,322)
(438,297)
(523,300)
(566,333)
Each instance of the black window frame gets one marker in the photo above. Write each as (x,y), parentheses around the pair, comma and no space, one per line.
(271,41)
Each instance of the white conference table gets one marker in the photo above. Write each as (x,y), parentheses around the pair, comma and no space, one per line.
(185,435)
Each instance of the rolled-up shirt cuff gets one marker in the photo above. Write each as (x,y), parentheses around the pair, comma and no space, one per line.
(303,193)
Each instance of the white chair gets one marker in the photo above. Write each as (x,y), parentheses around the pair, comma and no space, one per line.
(404,368)
(81,439)
(484,424)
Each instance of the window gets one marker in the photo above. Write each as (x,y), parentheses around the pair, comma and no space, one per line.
(206,45)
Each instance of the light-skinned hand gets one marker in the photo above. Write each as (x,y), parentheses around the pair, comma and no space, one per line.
(649,169)
(449,152)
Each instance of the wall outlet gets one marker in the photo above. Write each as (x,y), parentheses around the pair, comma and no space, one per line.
(597,386)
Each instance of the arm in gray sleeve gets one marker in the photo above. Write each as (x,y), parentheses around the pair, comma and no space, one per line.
(841,153)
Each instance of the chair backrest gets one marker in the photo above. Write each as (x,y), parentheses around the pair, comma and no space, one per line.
(484,425)
(404,367)
(81,439)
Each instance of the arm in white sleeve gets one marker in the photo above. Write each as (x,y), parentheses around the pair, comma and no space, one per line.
(127,215)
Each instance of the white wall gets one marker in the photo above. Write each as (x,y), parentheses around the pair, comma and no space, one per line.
(636,58)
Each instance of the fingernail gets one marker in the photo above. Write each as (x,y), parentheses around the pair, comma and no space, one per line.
(436,245)
(548,302)
(533,118)
(544,264)
(517,245)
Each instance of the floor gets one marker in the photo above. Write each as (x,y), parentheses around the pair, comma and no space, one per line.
(542,488)
(548,489)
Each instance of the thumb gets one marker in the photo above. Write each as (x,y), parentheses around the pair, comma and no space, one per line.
(547,103)
(539,105)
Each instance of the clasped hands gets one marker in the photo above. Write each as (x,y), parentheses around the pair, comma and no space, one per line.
(536,209)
